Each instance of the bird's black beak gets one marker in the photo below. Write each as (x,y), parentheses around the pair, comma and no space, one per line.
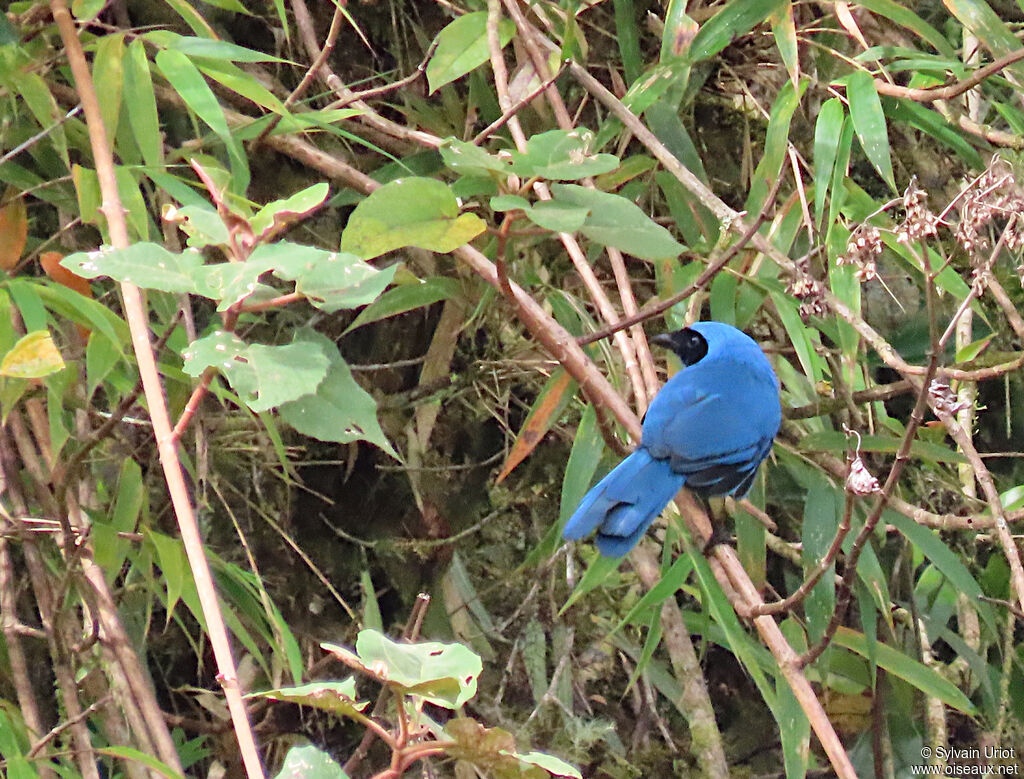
(665,340)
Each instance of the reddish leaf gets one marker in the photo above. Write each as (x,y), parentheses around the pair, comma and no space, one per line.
(554,397)
(13,229)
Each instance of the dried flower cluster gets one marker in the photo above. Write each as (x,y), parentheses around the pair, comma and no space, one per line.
(807,290)
(991,196)
(859,480)
(944,400)
(864,246)
(919,222)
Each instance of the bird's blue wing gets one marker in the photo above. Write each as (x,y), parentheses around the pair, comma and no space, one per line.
(714,424)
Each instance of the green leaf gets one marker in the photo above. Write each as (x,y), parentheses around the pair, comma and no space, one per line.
(776,143)
(409,212)
(587,448)
(462,46)
(668,585)
(34,356)
(905,17)
(784,32)
(189,83)
(220,50)
(82,310)
(628,36)
(108,70)
(444,674)
(263,376)
(147,265)
(340,410)
(935,125)
(469,160)
(822,508)
(331,280)
(600,570)
(336,697)
(918,675)
(129,753)
(406,297)
(828,131)
(552,215)
(616,221)
(308,762)
(278,214)
(834,441)
(931,545)
(562,155)
(869,123)
(202,224)
(553,765)
(794,727)
(735,19)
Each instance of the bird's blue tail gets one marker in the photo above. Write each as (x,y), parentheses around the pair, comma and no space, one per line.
(624,503)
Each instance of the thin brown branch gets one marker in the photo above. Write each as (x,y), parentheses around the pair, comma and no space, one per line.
(515,108)
(660,307)
(311,73)
(948,91)
(801,592)
(135,312)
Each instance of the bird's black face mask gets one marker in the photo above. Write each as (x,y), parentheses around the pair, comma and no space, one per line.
(688,344)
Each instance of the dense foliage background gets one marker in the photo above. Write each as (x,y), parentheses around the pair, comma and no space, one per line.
(322,318)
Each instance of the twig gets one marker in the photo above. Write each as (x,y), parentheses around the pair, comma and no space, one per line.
(947,91)
(660,307)
(820,569)
(368,94)
(515,108)
(311,73)
(135,312)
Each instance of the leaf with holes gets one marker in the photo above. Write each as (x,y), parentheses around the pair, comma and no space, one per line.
(468,160)
(340,410)
(335,697)
(444,674)
(263,376)
(147,265)
(562,155)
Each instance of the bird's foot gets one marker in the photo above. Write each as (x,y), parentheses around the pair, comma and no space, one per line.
(719,535)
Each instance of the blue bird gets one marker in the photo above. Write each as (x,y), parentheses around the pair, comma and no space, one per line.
(708,428)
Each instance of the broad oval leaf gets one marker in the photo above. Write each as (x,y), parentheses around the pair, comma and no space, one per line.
(562,155)
(263,376)
(414,211)
(147,265)
(615,221)
(308,762)
(33,356)
(444,674)
(340,410)
(462,46)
